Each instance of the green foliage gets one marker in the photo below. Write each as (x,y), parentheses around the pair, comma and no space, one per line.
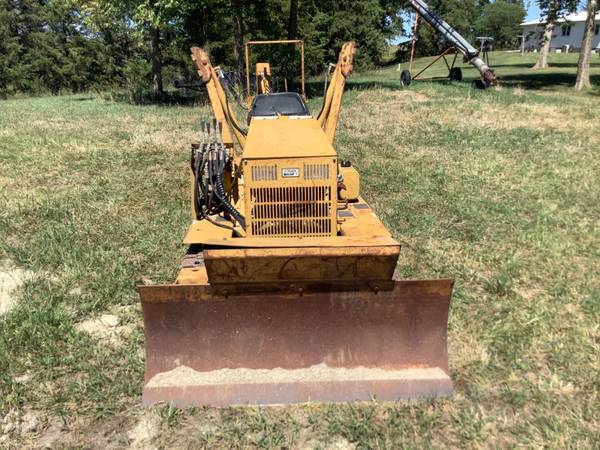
(53,46)
(10,48)
(333,23)
(554,9)
(501,20)
(76,45)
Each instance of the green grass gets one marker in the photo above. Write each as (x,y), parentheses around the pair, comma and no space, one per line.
(498,189)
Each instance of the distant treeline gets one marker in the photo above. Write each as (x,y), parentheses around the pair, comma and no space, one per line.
(78,45)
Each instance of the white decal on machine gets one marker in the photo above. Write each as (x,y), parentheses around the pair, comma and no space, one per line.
(289,173)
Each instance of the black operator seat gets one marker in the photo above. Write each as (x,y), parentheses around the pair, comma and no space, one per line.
(280,103)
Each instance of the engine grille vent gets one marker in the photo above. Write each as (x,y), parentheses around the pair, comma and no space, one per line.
(316,171)
(264,173)
(291,211)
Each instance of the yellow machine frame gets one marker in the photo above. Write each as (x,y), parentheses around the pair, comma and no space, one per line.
(289,295)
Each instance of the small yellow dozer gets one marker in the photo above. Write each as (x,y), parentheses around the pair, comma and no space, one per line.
(287,292)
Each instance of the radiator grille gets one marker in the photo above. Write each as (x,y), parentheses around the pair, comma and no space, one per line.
(316,171)
(264,173)
(291,211)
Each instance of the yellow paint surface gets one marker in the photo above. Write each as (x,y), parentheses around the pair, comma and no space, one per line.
(285,137)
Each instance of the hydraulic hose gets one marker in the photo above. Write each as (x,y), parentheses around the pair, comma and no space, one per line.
(227,206)
(209,164)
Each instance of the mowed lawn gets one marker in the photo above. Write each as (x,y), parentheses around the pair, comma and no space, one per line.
(499,189)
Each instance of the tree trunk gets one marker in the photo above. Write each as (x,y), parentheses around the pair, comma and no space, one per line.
(551,17)
(290,67)
(293,20)
(238,36)
(583,67)
(542,62)
(157,81)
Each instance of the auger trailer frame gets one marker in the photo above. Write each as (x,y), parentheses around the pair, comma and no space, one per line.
(458,44)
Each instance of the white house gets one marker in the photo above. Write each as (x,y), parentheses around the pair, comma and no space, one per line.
(566,36)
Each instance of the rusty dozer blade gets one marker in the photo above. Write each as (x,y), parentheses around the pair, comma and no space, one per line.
(203,348)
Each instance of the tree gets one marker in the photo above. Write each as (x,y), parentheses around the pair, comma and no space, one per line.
(239,33)
(293,20)
(583,66)
(48,46)
(368,22)
(153,18)
(10,47)
(156,16)
(502,21)
(76,45)
(552,10)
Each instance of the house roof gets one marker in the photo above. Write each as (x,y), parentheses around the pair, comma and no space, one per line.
(575,17)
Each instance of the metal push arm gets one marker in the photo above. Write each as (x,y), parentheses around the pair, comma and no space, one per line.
(332,102)
(218,98)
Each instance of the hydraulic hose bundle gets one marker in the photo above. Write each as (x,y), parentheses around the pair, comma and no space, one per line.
(209,163)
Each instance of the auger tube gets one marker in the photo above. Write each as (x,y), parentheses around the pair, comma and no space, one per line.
(470,53)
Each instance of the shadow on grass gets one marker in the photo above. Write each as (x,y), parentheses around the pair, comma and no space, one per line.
(316,88)
(358,85)
(167,98)
(533,80)
(83,99)
(543,80)
(553,65)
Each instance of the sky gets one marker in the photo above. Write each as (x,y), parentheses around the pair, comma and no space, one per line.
(533,12)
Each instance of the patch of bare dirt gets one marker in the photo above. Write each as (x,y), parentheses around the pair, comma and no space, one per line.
(17,427)
(49,436)
(24,378)
(339,443)
(10,279)
(8,425)
(307,441)
(144,431)
(186,376)
(106,328)
(50,433)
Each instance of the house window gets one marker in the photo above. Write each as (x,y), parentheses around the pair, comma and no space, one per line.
(566,30)
(597,29)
